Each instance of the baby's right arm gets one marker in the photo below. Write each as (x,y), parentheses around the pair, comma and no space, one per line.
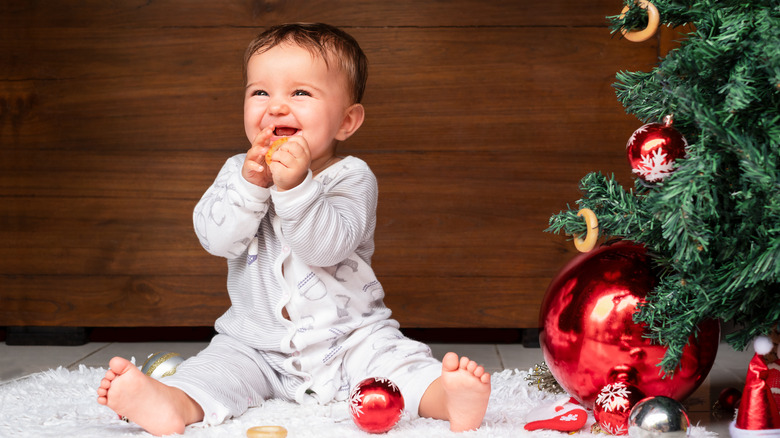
(228,215)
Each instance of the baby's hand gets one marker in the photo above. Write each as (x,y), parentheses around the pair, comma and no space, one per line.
(255,169)
(290,163)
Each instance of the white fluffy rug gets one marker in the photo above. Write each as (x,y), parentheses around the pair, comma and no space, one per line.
(61,403)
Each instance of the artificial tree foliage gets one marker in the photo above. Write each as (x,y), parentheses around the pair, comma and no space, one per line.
(713,225)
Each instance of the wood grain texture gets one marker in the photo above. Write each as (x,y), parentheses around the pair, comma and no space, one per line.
(481,119)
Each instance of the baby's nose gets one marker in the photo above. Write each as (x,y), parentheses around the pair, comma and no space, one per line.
(278,108)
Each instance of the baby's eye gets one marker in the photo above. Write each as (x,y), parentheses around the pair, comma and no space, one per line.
(259,93)
(301,93)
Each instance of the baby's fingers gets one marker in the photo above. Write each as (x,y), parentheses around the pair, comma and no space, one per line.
(298,149)
(260,144)
(253,167)
(264,136)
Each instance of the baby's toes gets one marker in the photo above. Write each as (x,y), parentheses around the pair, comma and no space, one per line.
(450,362)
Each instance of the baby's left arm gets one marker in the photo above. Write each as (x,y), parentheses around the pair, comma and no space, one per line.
(324,227)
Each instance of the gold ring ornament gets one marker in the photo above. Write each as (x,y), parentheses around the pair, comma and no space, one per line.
(653,20)
(266,432)
(592,233)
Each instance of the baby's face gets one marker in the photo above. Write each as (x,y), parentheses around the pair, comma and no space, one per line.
(295,91)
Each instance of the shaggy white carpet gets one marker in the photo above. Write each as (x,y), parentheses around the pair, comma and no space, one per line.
(61,403)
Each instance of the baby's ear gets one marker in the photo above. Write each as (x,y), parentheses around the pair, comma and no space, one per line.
(353,118)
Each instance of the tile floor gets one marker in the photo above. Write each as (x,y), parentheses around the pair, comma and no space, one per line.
(18,361)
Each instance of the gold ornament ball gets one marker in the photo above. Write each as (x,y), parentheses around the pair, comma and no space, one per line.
(161,364)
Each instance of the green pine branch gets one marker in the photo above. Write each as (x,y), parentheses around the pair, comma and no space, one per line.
(620,213)
(673,13)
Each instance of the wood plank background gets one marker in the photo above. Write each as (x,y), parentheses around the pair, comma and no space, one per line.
(482,116)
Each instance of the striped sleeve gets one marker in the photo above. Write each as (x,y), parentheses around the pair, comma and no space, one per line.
(227,216)
(326,222)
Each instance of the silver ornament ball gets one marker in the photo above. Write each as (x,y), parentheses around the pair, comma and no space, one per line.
(161,364)
(658,417)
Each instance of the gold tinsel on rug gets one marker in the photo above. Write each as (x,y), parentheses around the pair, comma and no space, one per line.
(541,377)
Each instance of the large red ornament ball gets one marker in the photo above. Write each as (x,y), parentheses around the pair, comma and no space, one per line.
(376,405)
(588,336)
(613,406)
(653,148)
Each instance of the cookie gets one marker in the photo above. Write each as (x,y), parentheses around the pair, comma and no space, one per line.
(274,146)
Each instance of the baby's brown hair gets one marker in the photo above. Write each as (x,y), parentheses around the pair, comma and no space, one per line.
(324,40)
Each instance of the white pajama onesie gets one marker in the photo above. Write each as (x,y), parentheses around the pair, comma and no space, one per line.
(307,250)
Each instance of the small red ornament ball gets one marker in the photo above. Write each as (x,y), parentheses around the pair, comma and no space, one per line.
(653,148)
(376,405)
(729,398)
(613,406)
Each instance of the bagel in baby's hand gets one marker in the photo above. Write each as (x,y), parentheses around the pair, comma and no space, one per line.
(274,146)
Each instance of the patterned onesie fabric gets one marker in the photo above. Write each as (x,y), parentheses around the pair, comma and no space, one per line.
(307,319)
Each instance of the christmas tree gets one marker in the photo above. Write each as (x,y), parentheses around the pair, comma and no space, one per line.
(713,222)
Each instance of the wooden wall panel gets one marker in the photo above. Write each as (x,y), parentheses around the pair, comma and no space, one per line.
(342,13)
(116,116)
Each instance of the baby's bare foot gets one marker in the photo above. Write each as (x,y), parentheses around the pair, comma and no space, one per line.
(468,389)
(143,400)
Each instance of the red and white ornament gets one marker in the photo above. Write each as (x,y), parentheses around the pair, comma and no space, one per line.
(653,149)
(613,406)
(376,405)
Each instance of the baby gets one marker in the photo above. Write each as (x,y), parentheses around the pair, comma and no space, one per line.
(307,320)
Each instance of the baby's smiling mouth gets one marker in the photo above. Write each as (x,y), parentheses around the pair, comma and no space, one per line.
(284,131)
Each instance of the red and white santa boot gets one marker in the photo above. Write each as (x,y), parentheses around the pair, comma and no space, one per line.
(565,415)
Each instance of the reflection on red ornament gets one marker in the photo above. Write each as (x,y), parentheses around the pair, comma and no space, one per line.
(613,406)
(653,149)
(588,336)
(376,405)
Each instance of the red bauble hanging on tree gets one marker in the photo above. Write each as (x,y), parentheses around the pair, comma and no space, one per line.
(376,405)
(653,149)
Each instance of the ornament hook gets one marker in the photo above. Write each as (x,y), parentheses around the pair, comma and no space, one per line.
(592,233)
(653,20)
